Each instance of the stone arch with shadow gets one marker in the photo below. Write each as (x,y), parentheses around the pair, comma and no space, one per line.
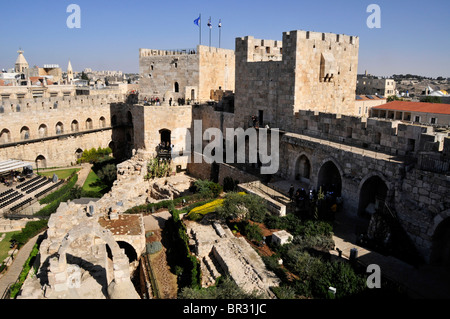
(303,168)
(120,286)
(373,190)
(41,161)
(43,131)
(329,176)
(5,136)
(439,231)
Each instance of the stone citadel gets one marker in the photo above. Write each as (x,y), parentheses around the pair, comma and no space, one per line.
(303,85)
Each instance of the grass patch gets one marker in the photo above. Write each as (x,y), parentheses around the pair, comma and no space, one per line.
(4,245)
(62,174)
(93,183)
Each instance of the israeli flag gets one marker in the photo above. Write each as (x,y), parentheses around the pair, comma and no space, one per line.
(197,21)
(209,23)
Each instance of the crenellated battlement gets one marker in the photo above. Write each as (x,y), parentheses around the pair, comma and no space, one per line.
(391,137)
(155,52)
(9,106)
(259,50)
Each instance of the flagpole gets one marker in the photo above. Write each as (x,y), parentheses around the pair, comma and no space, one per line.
(220,30)
(210,27)
(200,28)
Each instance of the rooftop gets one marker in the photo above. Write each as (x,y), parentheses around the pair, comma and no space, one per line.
(422,107)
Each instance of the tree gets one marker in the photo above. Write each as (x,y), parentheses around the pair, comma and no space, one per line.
(393,98)
(431,99)
(84,76)
(243,206)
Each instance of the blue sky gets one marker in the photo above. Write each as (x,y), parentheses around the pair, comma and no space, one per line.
(413,38)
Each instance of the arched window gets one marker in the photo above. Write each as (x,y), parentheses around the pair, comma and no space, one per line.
(42,130)
(89,124)
(74,126)
(102,122)
(176,87)
(25,133)
(129,118)
(5,136)
(59,128)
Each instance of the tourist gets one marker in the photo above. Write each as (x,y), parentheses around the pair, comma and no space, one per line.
(170,102)
(291,192)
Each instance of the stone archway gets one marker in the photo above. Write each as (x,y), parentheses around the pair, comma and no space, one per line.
(121,285)
(440,238)
(373,190)
(330,177)
(302,169)
(165,136)
(41,162)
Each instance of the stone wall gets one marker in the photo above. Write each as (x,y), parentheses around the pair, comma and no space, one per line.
(56,129)
(191,74)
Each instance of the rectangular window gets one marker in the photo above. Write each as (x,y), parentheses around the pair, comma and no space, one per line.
(433,120)
(417,119)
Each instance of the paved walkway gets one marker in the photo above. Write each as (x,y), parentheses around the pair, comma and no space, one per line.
(83,174)
(424,281)
(14,270)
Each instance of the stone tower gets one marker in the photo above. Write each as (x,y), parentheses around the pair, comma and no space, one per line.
(69,73)
(21,63)
(305,71)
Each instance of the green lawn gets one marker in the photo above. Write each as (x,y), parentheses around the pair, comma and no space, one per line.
(93,183)
(62,173)
(4,245)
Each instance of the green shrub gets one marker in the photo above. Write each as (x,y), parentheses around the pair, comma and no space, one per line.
(226,288)
(60,192)
(15,288)
(248,206)
(207,187)
(30,230)
(94,155)
(253,232)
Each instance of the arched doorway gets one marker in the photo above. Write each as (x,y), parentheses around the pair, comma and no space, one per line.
(373,192)
(79,153)
(165,136)
(440,252)
(176,87)
(303,169)
(329,178)
(129,251)
(192,95)
(41,162)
